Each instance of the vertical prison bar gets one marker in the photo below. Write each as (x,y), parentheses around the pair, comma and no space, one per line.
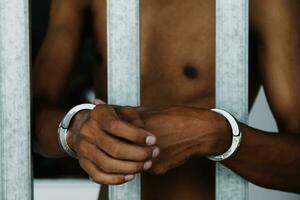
(124,70)
(231,82)
(15,151)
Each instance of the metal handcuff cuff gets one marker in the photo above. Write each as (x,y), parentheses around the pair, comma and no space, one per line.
(236,136)
(64,125)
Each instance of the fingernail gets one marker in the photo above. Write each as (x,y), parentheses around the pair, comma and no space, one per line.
(129,177)
(91,179)
(150,140)
(155,152)
(98,101)
(148,165)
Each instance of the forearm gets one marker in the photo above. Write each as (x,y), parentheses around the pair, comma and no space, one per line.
(45,132)
(269,160)
(51,74)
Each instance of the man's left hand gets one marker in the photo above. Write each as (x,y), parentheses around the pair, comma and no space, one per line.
(183,132)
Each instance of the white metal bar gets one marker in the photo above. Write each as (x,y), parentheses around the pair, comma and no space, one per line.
(124,70)
(15,151)
(231,82)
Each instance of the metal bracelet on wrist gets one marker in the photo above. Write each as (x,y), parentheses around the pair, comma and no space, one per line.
(236,136)
(64,125)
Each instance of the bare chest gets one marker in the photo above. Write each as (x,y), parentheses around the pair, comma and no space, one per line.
(177,52)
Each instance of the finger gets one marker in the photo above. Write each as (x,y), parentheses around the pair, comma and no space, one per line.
(114,146)
(101,177)
(109,120)
(115,166)
(128,132)
(131,115)
(99,102)
(119,149)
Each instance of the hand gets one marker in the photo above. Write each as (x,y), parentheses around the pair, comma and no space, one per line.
(110,149)
(183,132)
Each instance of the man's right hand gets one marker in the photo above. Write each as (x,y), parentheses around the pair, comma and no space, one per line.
(110,149)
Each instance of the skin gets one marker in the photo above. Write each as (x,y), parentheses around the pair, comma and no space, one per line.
(177,59)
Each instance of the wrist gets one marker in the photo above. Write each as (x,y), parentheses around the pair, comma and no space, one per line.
(75,125)
(220,135)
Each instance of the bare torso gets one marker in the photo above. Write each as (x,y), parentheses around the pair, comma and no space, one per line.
(177,59)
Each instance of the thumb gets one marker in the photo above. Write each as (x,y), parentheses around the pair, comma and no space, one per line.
(98,102)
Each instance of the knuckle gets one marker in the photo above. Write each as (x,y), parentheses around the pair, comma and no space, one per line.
(105,167)
(114,150)
(92,123)
(93,127)
(84,129)
(112,124)
(81,148)
(89,129)
(84,134)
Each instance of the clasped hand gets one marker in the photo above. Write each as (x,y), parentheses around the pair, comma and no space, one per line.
(114,143)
